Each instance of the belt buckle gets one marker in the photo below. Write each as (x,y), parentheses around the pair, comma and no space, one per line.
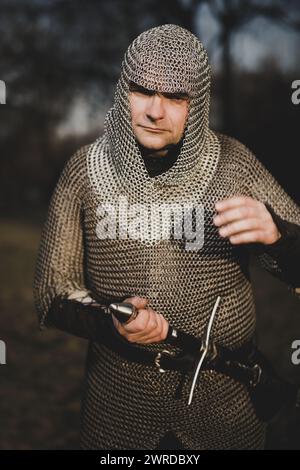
(158,358)
(211,354)
(257,372)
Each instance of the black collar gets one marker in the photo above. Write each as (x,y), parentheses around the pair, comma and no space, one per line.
(157,165)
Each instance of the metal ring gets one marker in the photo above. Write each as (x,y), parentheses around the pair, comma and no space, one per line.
(158,357)
(256,380)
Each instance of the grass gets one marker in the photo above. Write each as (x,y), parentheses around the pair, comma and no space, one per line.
(41,382)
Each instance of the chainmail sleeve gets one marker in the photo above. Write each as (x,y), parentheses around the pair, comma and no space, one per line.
(261,185)
(59,267)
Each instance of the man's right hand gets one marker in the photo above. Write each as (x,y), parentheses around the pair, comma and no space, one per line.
(148,327)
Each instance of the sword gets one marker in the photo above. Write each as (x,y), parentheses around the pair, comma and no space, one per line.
(126,312)
(205,349)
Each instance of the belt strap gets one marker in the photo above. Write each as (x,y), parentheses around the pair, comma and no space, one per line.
(234,363)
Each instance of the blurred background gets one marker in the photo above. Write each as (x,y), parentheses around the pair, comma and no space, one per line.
(60,60)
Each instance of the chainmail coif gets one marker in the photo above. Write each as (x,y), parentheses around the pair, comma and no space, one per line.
(128,405)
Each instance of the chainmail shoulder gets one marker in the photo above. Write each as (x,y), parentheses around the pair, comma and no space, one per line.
(59,267)
(261,185)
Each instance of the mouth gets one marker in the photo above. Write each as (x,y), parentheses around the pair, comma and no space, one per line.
(152,129)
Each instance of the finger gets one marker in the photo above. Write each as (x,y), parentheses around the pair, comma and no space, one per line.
(164,328)
(143,324)
(152,331)
(140,323)
(234,202)
(118,325)
(160,332)
(238,213)
(159,329)
(142,338)
(151,326)
(253,236)
(138,302)
(240,226)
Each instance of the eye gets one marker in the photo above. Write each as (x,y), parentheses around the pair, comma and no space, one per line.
(177,96)
(146,92)
(133,87)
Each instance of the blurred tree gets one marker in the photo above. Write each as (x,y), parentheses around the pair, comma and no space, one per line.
(233,15)
(54,51)
(51,52)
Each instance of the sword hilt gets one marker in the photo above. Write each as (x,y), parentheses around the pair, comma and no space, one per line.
(123,311)
(126,312)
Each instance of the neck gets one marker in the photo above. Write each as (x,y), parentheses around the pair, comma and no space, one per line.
(150,153)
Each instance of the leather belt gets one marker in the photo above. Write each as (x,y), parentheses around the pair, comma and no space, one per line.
(239,363)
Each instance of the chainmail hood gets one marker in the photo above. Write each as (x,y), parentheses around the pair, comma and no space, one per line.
(168,59)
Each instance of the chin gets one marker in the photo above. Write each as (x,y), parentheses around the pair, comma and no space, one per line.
(153,143)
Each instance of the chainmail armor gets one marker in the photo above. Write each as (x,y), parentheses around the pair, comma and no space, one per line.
(128,405)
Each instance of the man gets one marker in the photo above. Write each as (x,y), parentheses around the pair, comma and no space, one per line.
(158,151)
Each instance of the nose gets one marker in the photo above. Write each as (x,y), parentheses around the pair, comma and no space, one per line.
(155,108)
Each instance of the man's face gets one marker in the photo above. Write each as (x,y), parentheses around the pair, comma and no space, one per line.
(158,119)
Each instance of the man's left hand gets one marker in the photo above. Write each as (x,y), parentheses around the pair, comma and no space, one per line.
(245,220)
